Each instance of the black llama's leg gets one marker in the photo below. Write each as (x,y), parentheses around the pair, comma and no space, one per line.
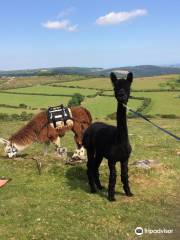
(90,170)
(98,160)
(124,178)
(112,180)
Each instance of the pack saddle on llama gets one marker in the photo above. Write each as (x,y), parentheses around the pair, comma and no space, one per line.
(49,126)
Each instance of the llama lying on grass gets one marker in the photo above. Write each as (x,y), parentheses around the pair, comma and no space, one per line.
(39,130)
(102,140)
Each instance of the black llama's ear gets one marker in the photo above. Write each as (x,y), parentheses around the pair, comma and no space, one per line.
(113,77)
(130,76)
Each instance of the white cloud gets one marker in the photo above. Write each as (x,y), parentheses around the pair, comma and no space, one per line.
(118,17)
(66,12)
(61,25)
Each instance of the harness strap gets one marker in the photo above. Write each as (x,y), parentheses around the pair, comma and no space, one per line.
(63,114)
(54,122)
(155,125)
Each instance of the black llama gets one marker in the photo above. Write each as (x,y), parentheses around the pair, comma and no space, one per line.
(102,140)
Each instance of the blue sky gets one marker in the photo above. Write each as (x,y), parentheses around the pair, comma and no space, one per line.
(96,33)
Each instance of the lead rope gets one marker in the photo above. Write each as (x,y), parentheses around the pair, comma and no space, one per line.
(155,125)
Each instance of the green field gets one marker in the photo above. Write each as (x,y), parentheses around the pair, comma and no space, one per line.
(162,102)
(99,83)
(11,82)
(33,101)
(52,90)
(58,205)
(100,107)
(17,110)
(18,82)
(154,82)
(139,83)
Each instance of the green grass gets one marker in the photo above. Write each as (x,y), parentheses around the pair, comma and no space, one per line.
(99,83)
(28,81)
(154,82)
(52,90)
(16,110)
(162,102)
(138,83)
(17,82)
(58,205)
(100,107)
(33,101)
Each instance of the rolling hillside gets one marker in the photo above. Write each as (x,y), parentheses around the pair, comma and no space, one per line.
(139,71)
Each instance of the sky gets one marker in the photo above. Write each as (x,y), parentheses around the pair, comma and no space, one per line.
(96,33)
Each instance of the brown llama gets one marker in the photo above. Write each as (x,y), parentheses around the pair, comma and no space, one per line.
(39,130)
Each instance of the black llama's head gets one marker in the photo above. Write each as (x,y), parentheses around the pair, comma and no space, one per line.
(122,87)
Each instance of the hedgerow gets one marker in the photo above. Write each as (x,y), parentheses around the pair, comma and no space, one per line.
(24,116)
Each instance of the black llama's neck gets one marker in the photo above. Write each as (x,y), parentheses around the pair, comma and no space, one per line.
(122,130)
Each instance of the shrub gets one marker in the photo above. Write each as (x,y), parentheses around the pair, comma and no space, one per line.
(15,116)
(22,105)
(76,100)
(24,116)
(4,116)
(178,80)
(145,104)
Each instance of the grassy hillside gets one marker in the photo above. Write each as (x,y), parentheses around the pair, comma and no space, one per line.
(36,94)
(33,101)
(149,70)
(52,90)
(156,82)
(100,107)
(57,204)
(18,82)
(139,71)
(139,83)
(96,83)
(162,102)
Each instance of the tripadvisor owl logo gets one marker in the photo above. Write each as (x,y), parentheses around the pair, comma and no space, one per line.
(139,231)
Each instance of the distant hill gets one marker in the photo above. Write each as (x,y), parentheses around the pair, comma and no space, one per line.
(52,71)
(146,70)
(175,65)
(139,71)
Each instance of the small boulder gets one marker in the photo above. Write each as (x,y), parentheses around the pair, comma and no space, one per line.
(146,164)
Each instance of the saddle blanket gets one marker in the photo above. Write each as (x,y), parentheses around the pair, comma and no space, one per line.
(58,116)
